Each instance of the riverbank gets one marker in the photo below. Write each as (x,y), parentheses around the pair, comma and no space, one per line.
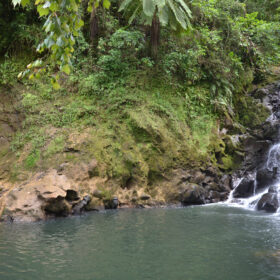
(139,160)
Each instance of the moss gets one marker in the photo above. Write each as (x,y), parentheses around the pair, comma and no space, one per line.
(250,113)
(132,132)
(55,146)
(32,159)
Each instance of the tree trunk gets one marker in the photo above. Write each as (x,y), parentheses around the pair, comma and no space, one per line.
(155,36)
(94,28)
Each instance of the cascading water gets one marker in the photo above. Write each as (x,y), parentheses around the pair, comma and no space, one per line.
(259,188)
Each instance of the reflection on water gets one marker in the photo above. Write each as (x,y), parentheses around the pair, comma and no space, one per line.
(196,243)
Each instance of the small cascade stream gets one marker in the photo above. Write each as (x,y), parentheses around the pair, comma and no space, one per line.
(260,190)
(259,187)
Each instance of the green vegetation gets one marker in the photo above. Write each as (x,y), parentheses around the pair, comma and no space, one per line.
(152,83)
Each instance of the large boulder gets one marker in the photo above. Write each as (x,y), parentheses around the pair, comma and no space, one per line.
(43,195)
(111,203)
(57,206)
(81,206)
(245,188)
(268,202)
(193,195)
(265,178)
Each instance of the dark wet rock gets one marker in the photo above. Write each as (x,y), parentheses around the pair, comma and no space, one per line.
(224,196)
(140,206)
(72,195)
(273,189)
(57,206)
(226,182)
(81,206)
(198,177)
(245,188)
(192,195)
(269,203)
(207,180)
(145,197)
(264,179)
(255,150)
(111,203)
(210,171)
(214,195)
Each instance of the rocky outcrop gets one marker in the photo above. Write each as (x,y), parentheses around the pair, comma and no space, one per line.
(197,187)
(193,195)
(264,178)
(245,188)
(44,195)
(260,168)
(50,194)
(268,202)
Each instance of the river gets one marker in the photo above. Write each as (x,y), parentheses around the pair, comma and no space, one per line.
(216,242)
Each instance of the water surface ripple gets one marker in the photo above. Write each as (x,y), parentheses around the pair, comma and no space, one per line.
(196,243)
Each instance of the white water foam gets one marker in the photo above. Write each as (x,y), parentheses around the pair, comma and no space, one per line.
(272,164)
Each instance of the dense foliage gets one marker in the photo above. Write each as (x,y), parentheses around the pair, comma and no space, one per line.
(184,65)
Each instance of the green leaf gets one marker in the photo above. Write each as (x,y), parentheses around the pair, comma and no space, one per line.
(66,69)
(25,3)
(106,4)
(79,24)
(42,11)
(54,7)
(163,15)
(55,84)
(60,42)
(124,5)
(149,7)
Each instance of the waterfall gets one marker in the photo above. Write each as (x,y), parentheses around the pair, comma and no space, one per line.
(259,186)
(261,189)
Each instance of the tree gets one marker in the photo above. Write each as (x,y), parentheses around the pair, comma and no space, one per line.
(63,21)
(155,13)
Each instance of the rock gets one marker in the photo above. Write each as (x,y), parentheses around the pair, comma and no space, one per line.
(193,195)
(43,195)
(215,187)
(111,203)
(226,182)
(95,204)
(72,195)
(207,180)
(198,177)
(145,197)
(92,169)
(273,189)
(140,206)
(268,202)
(214,195)
(81,206)
(245,188)
(98,194)
(57,206)
(224,196)
(134,199)
(264,179)
(210,171)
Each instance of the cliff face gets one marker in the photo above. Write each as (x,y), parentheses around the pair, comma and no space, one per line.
(10,121)
(59,165)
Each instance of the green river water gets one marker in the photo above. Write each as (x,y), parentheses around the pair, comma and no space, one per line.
(196,243)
